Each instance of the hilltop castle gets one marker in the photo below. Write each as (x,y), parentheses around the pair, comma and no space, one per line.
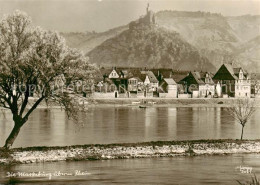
(148,19)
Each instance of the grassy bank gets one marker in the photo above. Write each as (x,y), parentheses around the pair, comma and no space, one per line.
(128,150)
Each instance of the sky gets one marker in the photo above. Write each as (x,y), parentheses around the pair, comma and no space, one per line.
(101,15)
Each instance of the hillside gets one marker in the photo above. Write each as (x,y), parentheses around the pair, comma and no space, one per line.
(217,38)
(246,27)
(209,33)
(248,54)
(89,40)
(149,46)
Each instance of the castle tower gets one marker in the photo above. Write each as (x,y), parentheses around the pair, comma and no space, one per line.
(147,8)
(148,19)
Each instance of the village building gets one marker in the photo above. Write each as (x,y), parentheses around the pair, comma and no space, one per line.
(198,84)
(168,88)
(255,84)
(150,81)
(162,73)
(242,84)
(233,82)
(138,82)
(135,84)
(118,77)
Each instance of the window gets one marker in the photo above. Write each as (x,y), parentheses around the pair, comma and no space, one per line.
(241,75)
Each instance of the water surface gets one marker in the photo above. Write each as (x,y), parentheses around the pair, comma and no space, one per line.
(153,171)
(128,124)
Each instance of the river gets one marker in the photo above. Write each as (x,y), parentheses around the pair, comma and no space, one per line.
(132,124)
(128,124)
(151,171)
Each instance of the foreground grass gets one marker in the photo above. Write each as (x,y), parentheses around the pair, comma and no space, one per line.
(128,150)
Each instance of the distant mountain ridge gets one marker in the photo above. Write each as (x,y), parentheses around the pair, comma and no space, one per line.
(215,36)
(217,39)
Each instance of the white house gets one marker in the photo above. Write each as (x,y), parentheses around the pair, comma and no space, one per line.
(169,88)
(242,85)
(150,80)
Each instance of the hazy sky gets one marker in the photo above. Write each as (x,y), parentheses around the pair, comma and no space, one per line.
(101,15)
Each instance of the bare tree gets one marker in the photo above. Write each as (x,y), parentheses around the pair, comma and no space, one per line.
(242,110)
(31,60)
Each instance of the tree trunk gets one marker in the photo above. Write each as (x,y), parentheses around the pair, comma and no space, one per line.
(11,138)
(242,132)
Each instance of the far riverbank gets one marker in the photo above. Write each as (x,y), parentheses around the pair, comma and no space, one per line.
(176,102)
(155,102)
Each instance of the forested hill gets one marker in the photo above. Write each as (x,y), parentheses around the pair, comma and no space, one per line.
(149,46)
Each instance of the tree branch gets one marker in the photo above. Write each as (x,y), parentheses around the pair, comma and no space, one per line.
(25,118)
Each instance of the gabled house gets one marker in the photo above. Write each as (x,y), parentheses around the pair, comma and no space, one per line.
(102,81)
(208,89)
(168,87)
(119,78)
(233,82)
(150,81)
(242,84)
(199,84)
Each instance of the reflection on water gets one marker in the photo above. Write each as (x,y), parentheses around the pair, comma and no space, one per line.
(163,171)
(128,124)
